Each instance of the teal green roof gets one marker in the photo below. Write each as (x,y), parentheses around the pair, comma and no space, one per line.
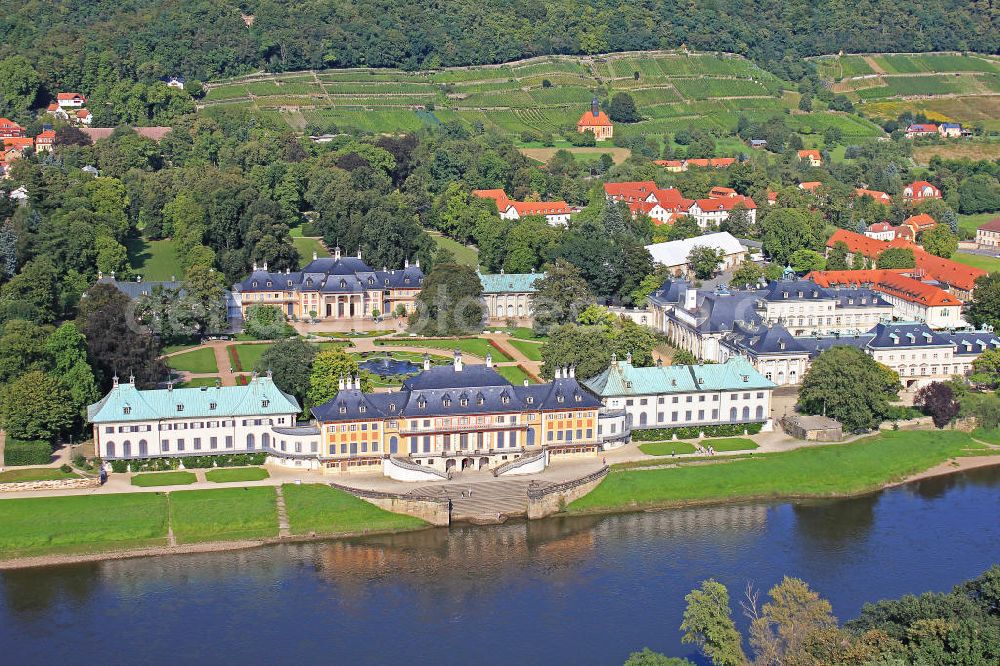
(622,379)
(504,283)
(258,398)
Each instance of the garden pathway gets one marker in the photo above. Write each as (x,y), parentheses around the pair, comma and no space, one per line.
(283,529)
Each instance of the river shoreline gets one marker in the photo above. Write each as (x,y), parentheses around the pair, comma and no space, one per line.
(951,466)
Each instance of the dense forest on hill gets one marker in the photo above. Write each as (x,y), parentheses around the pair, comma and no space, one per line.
(67,40)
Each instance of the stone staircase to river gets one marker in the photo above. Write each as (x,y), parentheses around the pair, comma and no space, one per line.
(481,498)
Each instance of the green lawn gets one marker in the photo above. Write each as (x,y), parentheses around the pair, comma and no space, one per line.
(990,264)
(969,223)
(154,260)
(666,448)
(170,349)
(514,374)
(532,350)
(473,346)
(306,247)
(523,333)
(818,471)
(229,514)
(83,523)
(36,474)
(249,354)
(198,382)
(325,510)
(151,479)
(991,436)
(199,361)
(730,444)
(233,474)
(463,253)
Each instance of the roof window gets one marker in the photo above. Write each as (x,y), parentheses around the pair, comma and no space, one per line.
(126,410)
(212,405)
(265,403)
(180,408)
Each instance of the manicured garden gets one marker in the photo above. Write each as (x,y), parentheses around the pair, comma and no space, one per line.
(155,479)
(815,471)
(532,350)
(199,361)
(229,514)
(729,444)
(82,523)
(478,347)
(234,474)
(464,254)
(198,382)
(667,448)
(324,510)
(154,259)
(515,374)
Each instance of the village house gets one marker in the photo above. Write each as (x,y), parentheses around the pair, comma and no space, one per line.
(772,197)
(880,197)
(679,166)
(674,254)
(881,231)
(9,129)
(652,210)
(332,288)
(911,299)
(45,141)
(509,295)
(174,82)
(812,156)
(716,210)
(685,395)
(921,129)
(19,143)
(556,213)
(950,130)
(810,185)
(597,122)
(70,100)
(83,117)
(919,223)
(988,235)
(920,190)
(957,278)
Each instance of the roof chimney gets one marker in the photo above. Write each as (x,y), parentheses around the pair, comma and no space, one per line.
(489,360)
(359,251)
(525,382)
(572,372)
(336,253)
(340,385)
(315,257)
(558,374)
(458,360)
(357,382)
(427,361)
(406,263)
(114,382)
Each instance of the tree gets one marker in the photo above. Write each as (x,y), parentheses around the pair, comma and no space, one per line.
(805,102)
(266,322)
(449,302)
(979,193)
(837,259)
(940,241)
(937,400)
(329,368)
(782,632)
(896,257)
(36,406)
(986,369)
(705,261)
(622,109)
(708,623)
(747,275)
(649,658)
(290,364)
(19,85)
(786,230)
(848,385)
(738,223)
(985,307)
(559,296)
(805,261)
(587,348)
(682,228)
(67,351)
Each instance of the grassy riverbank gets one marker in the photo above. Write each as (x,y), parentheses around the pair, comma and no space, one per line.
(818,471)
(314,507)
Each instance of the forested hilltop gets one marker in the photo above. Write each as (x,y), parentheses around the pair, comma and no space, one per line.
(70,40)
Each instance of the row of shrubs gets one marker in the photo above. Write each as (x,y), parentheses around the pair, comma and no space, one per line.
(26,452)
(190,462)
(692,432)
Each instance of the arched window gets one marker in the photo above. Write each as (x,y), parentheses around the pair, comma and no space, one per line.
(732,413)
(250,441)
(265,440)
(110,449)
(127,449)
(642,418)
(746,413)
(143,448)
(760,412)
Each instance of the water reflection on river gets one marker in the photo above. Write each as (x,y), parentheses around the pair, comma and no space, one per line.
(581,590)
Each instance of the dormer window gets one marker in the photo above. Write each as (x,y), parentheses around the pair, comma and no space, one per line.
(126,410)
(529,400)
(343,409)
(269,283)
(180,408)
(371,281)
(446,402)
(289,283)
(265,403)
(480,399)
(628,384)
(386,282)
(421,403)
(362,409)
(212,405)
(343,284)
(560,399)
(504,399)
(392,407)
(464,402)
(309,282)
(406,280)
(254,283)
(577,397)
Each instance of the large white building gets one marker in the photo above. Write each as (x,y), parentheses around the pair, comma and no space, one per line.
(674,254)
(509,295)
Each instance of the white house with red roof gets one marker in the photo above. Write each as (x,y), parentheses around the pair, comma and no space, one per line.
(920,223)
(70,100)
(636,190)
(880,197)
(810,185)
(84,117)
(988,235)
(45,141)
(9,129)
(882,231)
(716,210)
(921,129)
(653,210)
(920,190)
(556,213)
(812,156)
(596,121)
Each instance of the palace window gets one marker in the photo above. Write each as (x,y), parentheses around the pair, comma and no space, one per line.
(212,405)
(180,408)
(265,403)
(126,410)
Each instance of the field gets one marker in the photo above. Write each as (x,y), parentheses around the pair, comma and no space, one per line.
(325,510)
(234,474)
(153,260)
(199,361)
(198,382)
(666,448)
(230,514)
(958,151)
(618,155)
(306,247)
(83,523)
(968,224)
(469,256)
(990,264)
(818,471)
(539,95)
(943,86)
(473,346)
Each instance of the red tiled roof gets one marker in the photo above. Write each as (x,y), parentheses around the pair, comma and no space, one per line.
(669,163)
(668,195)
(52,107)
(992,225)
(83,113)
(721,192)
(772,196)
(922,127)
(920,222)
(524,208)
(889,282)
(588,119)
(6,123)
(917,186)
(874,194)
(70,95)
(725,203)
(943,270)
(880,227)
(810,185)
(809,153)
(48,136)
(716,162)
(497,195)
(18,142)
(154,133)
(629,187)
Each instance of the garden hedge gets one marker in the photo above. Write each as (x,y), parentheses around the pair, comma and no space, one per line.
(26,452)
(692,432)
(190,462)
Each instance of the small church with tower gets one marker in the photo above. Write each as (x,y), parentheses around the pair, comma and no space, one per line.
(596,121)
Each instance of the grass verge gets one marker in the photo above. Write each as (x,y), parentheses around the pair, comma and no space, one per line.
(229,514)
(153,479)
(325,510)
(35,474)
(730,444)
(820,471)
(666,448)
(82,523)
(234,474)
(479,347)
(200,361)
